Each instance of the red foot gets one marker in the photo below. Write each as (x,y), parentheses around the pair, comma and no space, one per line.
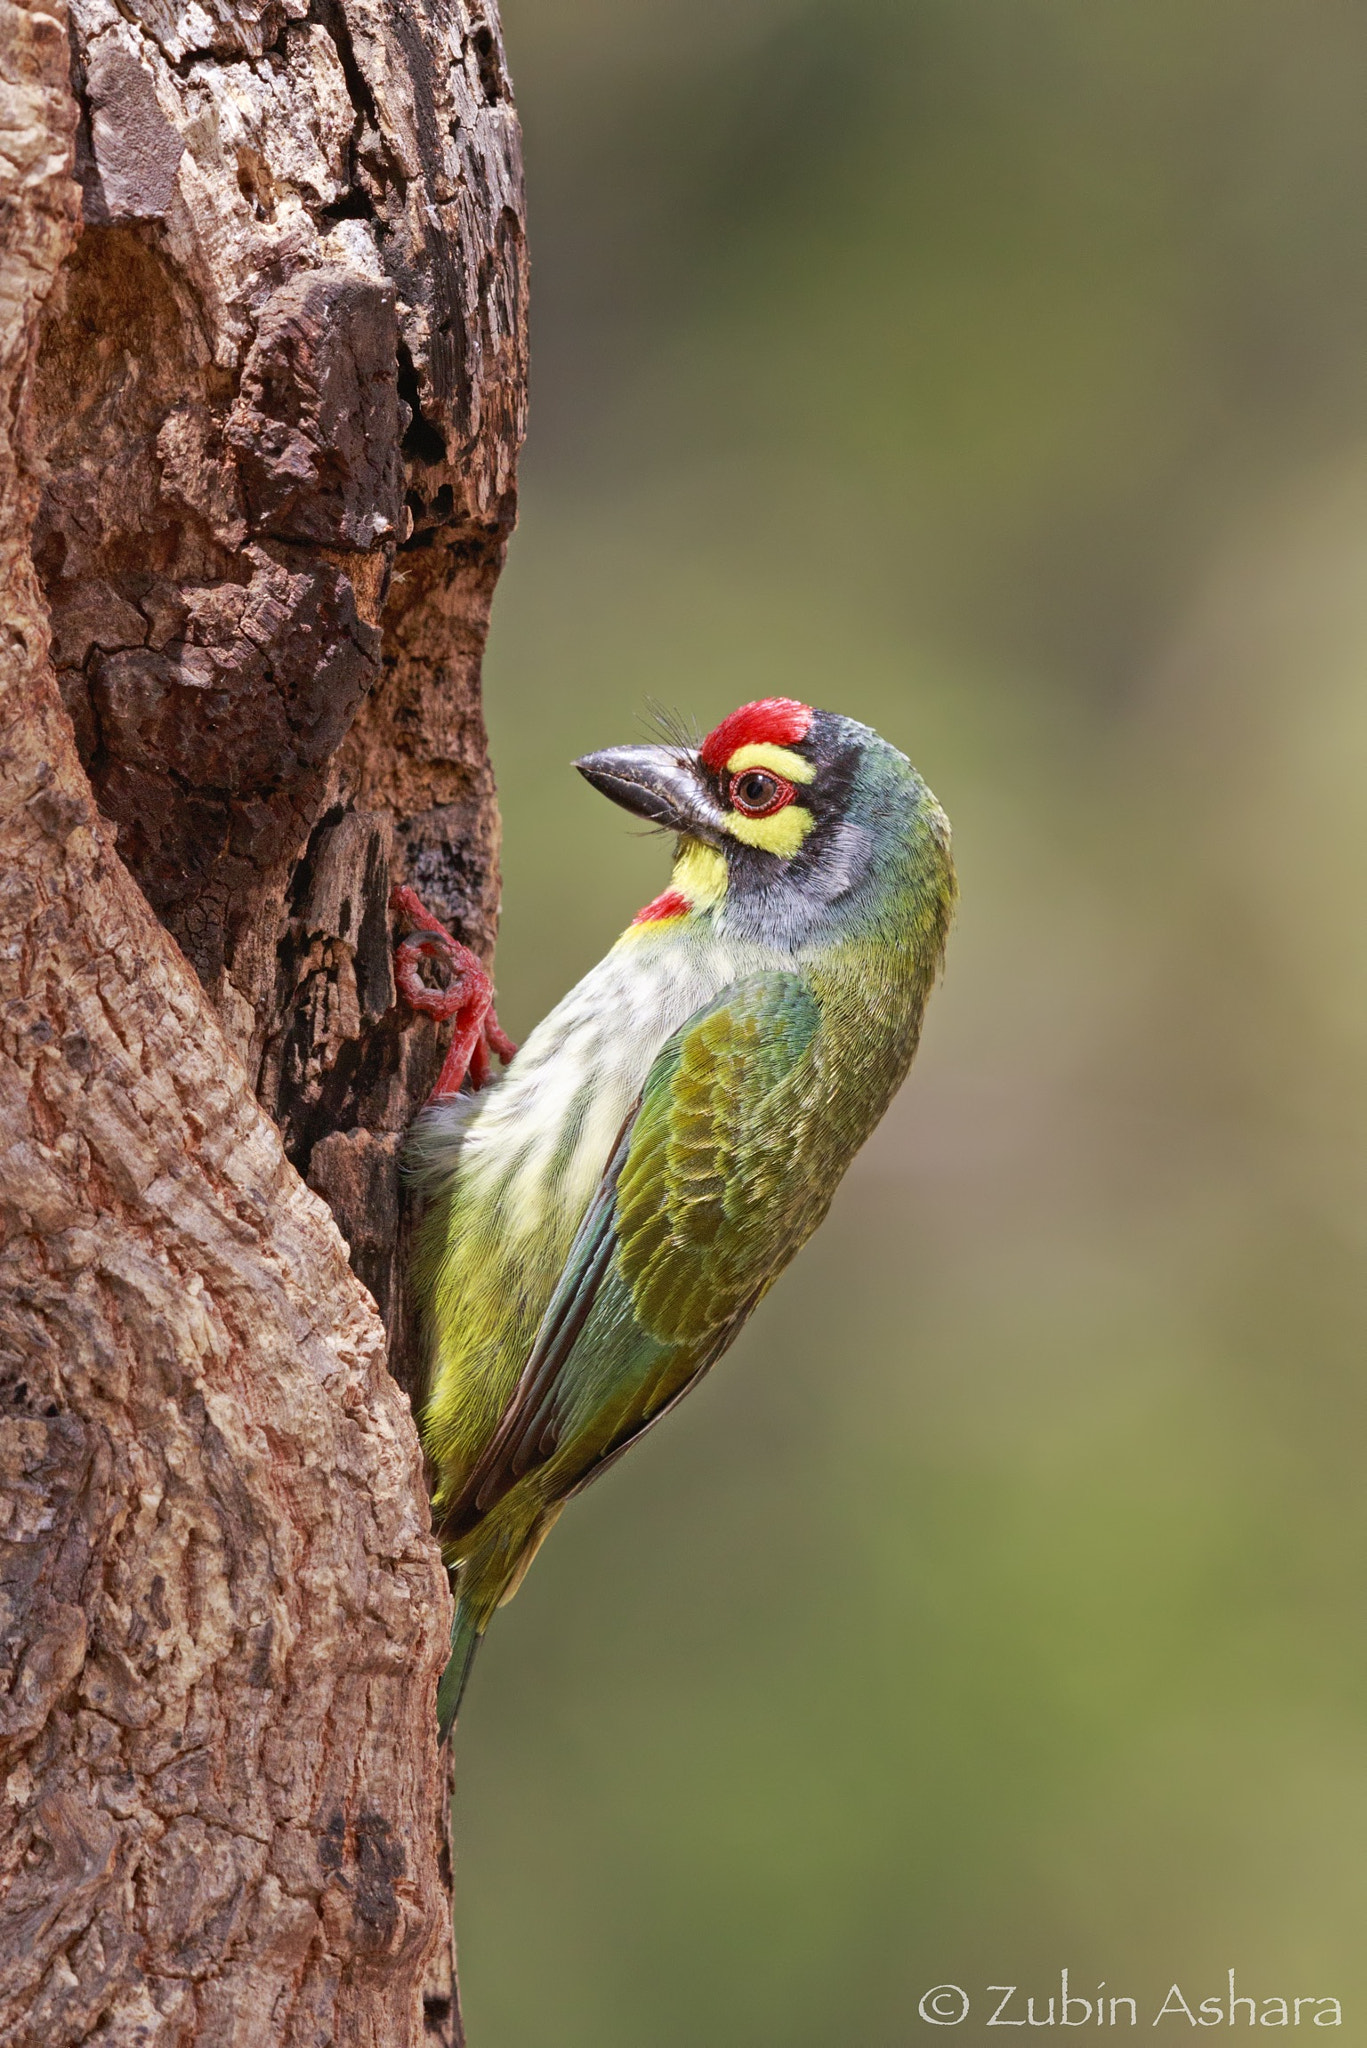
(468,996)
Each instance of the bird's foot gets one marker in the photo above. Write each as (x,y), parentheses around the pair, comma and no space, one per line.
(468,996)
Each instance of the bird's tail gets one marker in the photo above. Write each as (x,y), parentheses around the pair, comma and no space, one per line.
(465,1634)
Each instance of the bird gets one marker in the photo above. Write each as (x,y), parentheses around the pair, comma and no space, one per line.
(600,1220)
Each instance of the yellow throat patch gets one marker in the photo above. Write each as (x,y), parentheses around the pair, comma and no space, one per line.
(699,875)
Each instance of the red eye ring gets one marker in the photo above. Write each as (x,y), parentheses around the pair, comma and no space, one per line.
(758,792)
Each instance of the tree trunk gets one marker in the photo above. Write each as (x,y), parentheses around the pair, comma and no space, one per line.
(262,357)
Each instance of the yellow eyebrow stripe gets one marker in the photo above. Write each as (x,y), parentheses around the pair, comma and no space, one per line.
(760,754)
(781,833)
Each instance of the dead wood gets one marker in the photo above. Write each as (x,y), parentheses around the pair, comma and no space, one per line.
(262,355)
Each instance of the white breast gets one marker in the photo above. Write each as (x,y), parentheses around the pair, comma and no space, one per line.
(542,1137)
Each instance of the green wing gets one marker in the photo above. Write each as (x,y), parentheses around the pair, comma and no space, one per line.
(725,1167)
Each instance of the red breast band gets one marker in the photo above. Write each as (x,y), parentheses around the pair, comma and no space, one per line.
(671,904)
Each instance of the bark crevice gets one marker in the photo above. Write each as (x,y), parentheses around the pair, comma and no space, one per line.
(262,386)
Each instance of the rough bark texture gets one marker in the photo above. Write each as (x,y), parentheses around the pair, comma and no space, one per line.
(262,345)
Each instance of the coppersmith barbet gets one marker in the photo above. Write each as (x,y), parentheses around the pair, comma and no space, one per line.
(602,1220)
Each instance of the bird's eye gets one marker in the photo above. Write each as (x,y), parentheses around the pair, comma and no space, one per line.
(756,793)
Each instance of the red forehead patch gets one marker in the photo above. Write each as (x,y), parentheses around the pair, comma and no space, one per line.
(778,721)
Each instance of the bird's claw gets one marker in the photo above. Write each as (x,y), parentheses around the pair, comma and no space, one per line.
(468,996)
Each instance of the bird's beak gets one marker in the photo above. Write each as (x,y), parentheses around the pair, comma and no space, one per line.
(665,784)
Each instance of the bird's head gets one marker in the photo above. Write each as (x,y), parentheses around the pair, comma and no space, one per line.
(790,820)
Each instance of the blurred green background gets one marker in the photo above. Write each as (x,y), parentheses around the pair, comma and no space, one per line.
(995,371)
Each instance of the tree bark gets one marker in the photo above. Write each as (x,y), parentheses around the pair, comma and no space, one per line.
(262,375)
